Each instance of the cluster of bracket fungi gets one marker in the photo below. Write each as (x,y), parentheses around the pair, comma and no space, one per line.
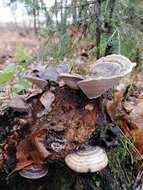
(67,110)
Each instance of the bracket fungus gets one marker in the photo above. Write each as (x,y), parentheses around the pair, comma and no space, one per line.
(71,80)
(105,73)
(43,73)
(91,159)
(34,171)
(37,81)
(18,104)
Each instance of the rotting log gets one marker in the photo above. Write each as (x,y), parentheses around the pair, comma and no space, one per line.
(70,123)
(47,126)
(74,120)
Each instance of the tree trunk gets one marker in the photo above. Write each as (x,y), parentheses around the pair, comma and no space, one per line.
(74,11)
(98,27)
(109,26)
(34,16)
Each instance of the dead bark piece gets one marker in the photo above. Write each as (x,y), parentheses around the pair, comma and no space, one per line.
(47,99)
(18,104)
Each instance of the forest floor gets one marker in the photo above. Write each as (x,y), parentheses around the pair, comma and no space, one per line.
(13,37)
(122,170)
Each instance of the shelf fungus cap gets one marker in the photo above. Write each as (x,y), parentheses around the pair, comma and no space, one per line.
(34,171)
(37,81)
(71,80)
(18,104)
(105,73)
(91,159)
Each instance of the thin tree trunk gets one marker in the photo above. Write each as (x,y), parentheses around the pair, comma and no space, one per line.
(98,26)
(74,11)
(109,26)
(48,19)
(56,12)
(34,16)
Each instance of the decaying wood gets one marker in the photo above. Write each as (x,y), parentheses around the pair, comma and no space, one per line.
(66,125)
(56,122)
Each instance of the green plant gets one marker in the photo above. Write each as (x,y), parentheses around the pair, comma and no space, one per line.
(7,74)
(11,81)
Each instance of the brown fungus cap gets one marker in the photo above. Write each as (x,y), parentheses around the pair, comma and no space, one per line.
(105,73)
(37,81)
(18,104)
(91,159)
(71,80)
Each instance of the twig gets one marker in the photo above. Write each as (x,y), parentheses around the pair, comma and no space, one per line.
(136,185)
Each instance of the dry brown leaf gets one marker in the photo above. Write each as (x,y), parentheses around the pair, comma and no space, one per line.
(136,116)
(128,106)
(111,109)
(30,150)
(113,105)
(74,32)
(123,123)
(136,137)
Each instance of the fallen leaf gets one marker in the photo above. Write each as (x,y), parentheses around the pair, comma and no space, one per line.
(123,123)
(111,109)
(74,32)
(31,150)
(136,116)
(128,106)
(113,105)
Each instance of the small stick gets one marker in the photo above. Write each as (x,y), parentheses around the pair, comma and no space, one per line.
(136,185)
